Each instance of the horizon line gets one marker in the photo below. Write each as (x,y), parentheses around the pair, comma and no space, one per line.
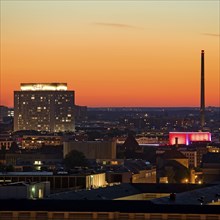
(210,106)
(150,106)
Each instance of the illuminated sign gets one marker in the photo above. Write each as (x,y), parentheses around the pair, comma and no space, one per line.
(43,86)
(188,137)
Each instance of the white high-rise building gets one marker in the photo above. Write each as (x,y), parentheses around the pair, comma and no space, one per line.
(44,107)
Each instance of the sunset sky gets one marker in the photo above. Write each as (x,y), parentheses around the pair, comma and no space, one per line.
(113,53)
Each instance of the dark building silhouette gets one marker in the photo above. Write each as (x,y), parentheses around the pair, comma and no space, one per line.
(211,167)
(131,147)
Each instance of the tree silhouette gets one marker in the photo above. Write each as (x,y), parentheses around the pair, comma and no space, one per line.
(6,168)
(75,158)
(3,149)
(14,147)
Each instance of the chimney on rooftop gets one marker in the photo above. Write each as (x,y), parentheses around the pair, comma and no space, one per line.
(202,101)
(176,142)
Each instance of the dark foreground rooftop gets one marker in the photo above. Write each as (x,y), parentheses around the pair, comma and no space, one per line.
(104,206)
(124,190)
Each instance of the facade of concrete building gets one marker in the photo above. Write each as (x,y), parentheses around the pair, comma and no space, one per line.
(201,150)
(44,107)
(92,149)
(145,176)
(191,155)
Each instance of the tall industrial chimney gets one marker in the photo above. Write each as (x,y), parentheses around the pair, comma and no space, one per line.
(202,102)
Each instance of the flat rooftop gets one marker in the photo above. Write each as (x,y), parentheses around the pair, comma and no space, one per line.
(208,195)
(124,190)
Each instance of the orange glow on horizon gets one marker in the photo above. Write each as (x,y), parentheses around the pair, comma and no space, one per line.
(110,57)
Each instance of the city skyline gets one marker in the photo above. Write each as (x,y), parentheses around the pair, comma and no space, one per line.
(115,54)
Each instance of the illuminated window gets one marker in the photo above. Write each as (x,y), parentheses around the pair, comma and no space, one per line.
(37,162)
(40,193)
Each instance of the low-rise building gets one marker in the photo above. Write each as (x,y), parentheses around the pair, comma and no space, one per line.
(92,149)
(213,148)
(6,143)
(131,171)
(57,181)
(36,141)
(33,160)
(172,166)
(25,190)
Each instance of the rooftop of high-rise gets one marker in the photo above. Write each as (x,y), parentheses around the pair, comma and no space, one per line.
(43,86)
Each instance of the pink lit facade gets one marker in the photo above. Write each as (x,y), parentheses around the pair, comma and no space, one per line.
(188,137)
